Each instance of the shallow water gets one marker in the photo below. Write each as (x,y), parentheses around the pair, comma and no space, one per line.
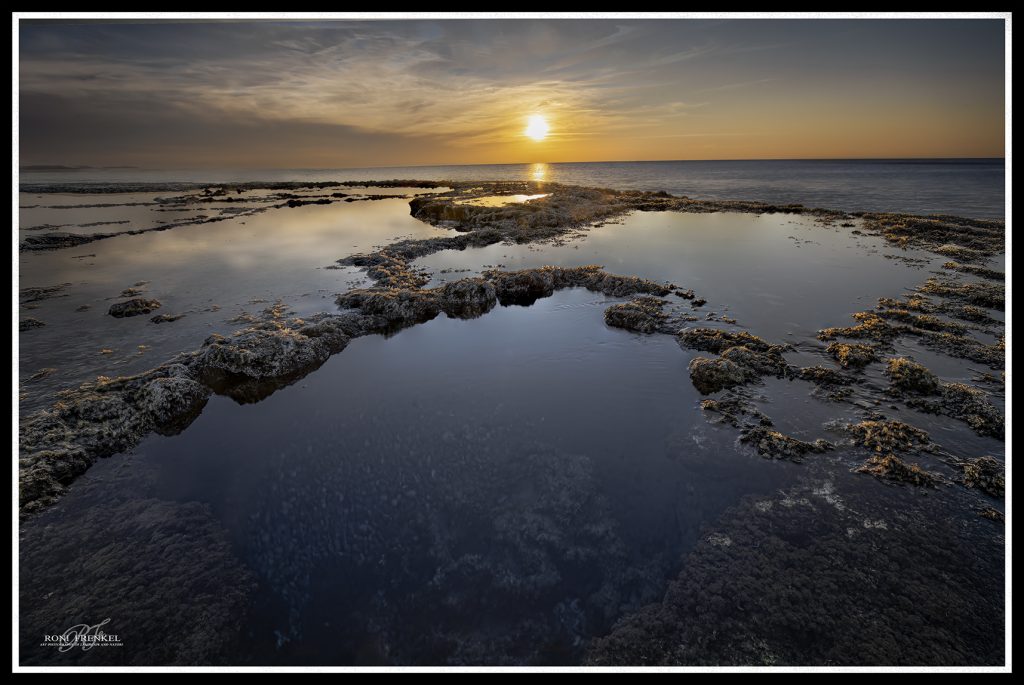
(496,490)
(211,273)
(964,187)
(529,460)
(781,276)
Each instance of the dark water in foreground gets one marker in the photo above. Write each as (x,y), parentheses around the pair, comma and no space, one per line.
(505,489)
(964,187)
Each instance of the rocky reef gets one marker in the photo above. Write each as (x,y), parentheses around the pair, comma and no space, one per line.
(813,591)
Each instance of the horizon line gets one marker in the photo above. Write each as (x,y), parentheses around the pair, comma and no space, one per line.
(85,167)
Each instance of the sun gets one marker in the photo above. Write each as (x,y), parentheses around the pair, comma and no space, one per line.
(537,127)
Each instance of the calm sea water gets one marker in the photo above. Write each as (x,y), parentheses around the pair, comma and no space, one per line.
(965,187)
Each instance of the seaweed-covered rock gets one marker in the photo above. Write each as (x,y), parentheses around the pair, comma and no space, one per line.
(768,363)
(824,376)
(772,444)
(522,287)
(852,355)
(887,436)
(266,352)
(907,375)
(981,294)
(736,411)
(467,298)
(971,405)
(641,314)
(711,375)
(528,285)
(892,468)
(395,308)
(984,473)
(717,340)
(97,420)
(133,307)
(871,326)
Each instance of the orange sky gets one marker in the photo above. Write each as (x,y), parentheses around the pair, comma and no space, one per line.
(351,93)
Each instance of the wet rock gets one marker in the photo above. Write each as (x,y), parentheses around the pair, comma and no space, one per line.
(57,241)
(711,375)
(133,307)
(41,373)
(887,436)
(467,298)
(736,411)
(526,286)
(522,287)
(892,468)
(28,323)
(965,403)
(265,352)
(717,340)
(852,355)
(871,327)
(772,444)
(99,419)
(824,376)
(768,363)
(35,294)
(981,271)
(908,376)
(980,294)
(393,308)
(993,514)
(984,473)
(966,239)
(965,347)
(641,314)
(166,318)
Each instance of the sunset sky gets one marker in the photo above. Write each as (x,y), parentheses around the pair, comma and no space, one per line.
(376,93)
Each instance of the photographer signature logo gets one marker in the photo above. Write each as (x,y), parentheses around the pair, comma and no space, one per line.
(83,636)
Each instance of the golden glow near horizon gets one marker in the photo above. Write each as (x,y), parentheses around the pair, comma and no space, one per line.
(253,94)
(537,127)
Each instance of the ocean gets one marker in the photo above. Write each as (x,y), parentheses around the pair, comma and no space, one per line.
(964,187)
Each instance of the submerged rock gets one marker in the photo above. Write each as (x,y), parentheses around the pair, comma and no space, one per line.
(152,567)
(166,318)
(35,294)
(28,323)
(812,579)
(133,307)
